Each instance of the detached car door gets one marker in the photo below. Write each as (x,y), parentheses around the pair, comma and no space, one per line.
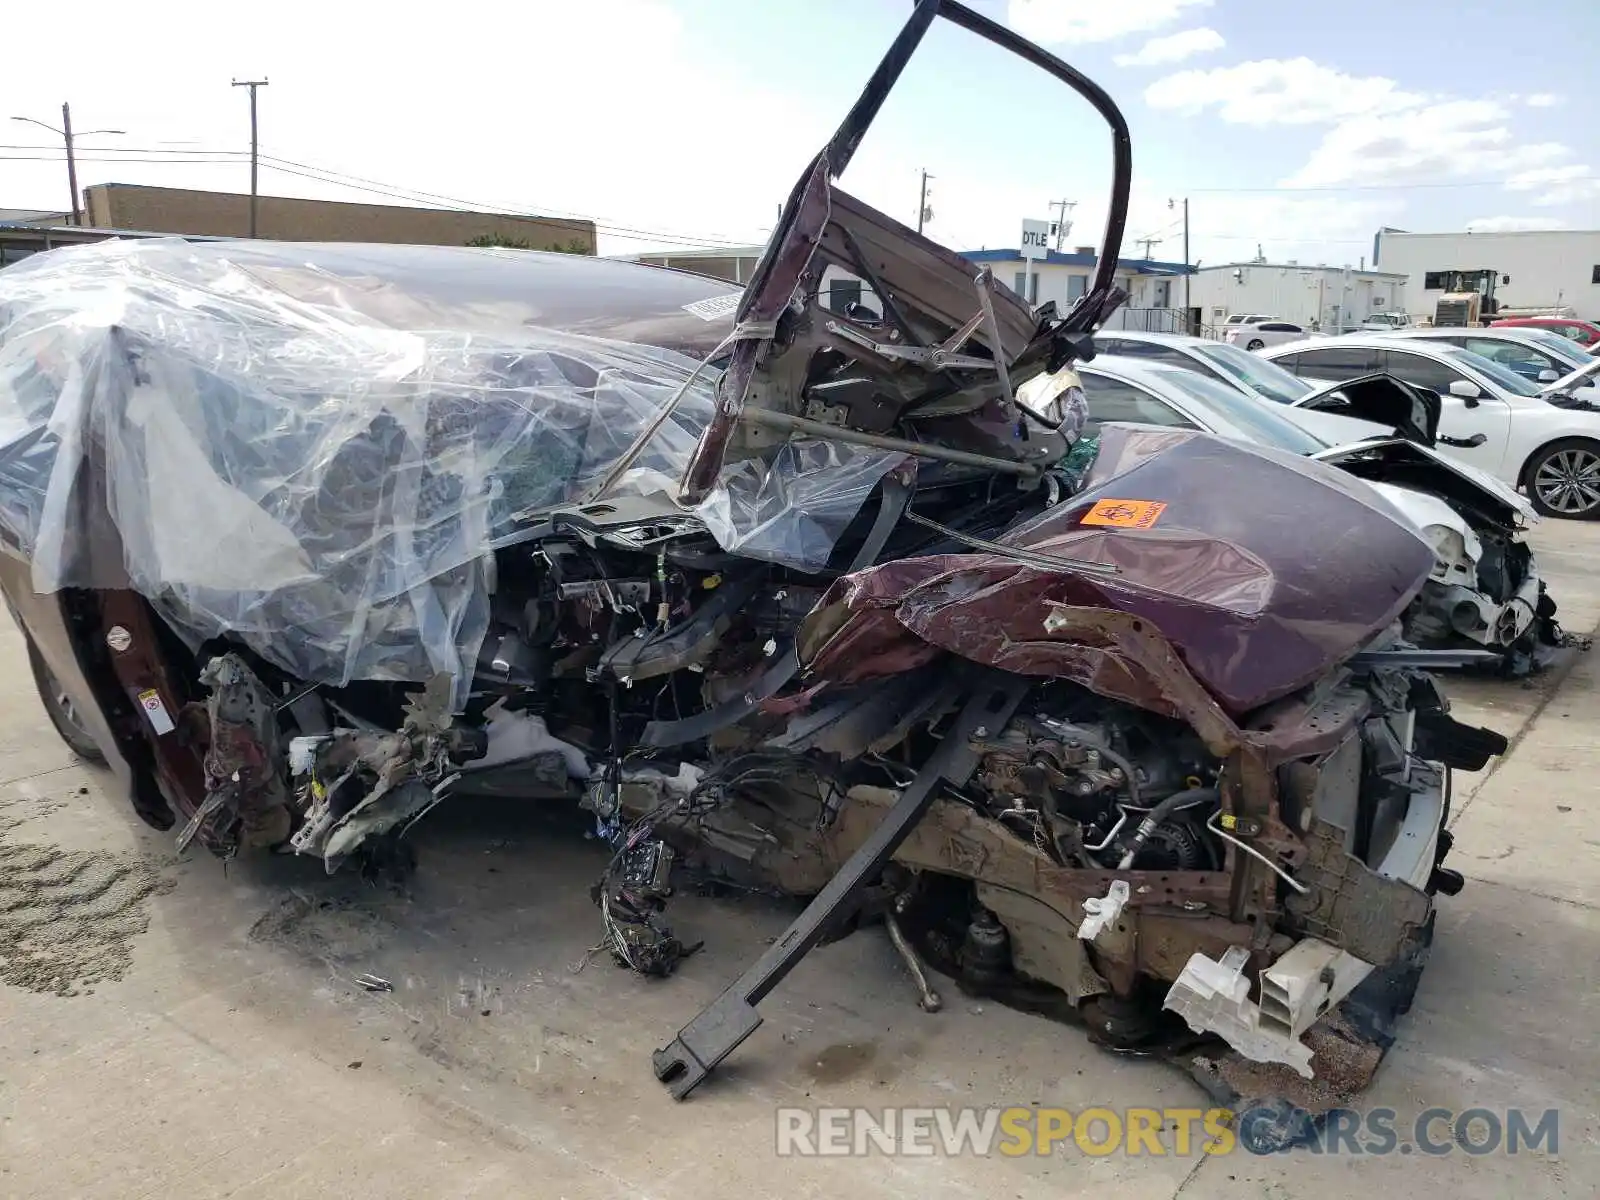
(1460,418)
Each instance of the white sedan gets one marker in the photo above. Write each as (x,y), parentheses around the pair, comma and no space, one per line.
(1538,355)
(1544,439)
(1485,589)
(1257,335)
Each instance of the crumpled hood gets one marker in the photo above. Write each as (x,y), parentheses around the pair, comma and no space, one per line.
(1260,568)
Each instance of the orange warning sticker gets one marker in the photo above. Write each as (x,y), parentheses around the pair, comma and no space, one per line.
(1124,514)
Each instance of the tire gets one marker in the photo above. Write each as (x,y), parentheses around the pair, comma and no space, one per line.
(1256,344)
(1563,479)
(62,712)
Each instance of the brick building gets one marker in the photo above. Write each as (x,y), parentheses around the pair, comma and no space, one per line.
(282,218)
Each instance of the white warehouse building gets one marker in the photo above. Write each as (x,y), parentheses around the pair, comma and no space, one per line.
(1535,269)
(1155,289)
(1317,297)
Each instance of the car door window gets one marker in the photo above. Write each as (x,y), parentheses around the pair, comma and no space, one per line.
(1151,351)
(1281,327)
(1520,357)
(1113,400)
(1422,371)
(1336,364)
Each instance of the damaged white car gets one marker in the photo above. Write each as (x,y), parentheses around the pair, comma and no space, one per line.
(1485,591)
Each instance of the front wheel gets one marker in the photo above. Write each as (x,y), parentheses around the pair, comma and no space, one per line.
(61,710)
(1256,344)
(1563,479)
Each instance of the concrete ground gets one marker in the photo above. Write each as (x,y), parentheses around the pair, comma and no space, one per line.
(235,1056)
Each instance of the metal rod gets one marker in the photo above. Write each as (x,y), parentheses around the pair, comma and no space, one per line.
(1027,557)
(838,433)
(928,998)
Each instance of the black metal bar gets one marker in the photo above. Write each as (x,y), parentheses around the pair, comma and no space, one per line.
(1121,139)
(1427,660)
(722,1025)
(893,498)
(842,146)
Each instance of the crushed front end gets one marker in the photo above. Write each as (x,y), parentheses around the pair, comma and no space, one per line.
(781,597)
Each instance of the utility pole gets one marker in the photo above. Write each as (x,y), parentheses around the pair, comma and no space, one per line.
(1186,314)
(1149,242)
(1063,223)
(65,133)
(924,213)
(255,144)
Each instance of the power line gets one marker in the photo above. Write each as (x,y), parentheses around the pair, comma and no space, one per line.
(287,166)
(357,183)
(624,232)
(93,158)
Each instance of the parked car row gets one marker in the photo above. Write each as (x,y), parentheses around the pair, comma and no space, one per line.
(1584,333)
(1485,589)
(1518,402)
(1544,438)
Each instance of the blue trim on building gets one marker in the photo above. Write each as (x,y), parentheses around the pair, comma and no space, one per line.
(1139,266)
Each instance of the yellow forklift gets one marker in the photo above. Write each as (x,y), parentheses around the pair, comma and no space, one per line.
(1468,298)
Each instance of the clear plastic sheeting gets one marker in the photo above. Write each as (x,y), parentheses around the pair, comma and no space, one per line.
(792,511)
(314,448)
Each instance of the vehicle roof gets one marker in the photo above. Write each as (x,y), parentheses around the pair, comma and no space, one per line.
(1131,368)
(1436,331)
(1544,321)
(1140,335)
(1373,340)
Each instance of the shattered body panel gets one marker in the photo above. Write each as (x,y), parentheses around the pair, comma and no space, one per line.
(783,598)
(1211,576)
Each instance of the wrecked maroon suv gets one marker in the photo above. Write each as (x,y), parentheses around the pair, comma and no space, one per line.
(307,540)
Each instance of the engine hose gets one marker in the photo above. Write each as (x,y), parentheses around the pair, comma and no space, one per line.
(1187,798)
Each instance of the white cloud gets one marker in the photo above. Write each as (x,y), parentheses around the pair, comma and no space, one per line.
(1173,48)
(163,84)
(1542,100)
(1276,91)
(1381,133)
(1304,229)
(1568,184)
(1078,21)
(1432,143)
(1513,224)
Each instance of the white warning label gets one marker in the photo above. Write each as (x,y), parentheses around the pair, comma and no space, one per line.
(160,718)
(715,308)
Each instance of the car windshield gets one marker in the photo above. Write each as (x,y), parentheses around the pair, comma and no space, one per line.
(1504,378)
(1256,373)
(1567,350)
(1255,418)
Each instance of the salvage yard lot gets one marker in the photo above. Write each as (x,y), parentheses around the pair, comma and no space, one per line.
(237,1057)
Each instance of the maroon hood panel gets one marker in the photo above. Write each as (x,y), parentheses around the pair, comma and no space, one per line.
(1262,570)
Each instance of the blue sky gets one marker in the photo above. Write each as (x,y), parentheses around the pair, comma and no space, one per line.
(1301,128)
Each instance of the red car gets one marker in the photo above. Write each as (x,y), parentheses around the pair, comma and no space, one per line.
(1585,333)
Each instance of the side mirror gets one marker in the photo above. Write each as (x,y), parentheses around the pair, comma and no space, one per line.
(1548,376)
(1466,390)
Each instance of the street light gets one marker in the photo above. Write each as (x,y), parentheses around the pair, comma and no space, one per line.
(65,133)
